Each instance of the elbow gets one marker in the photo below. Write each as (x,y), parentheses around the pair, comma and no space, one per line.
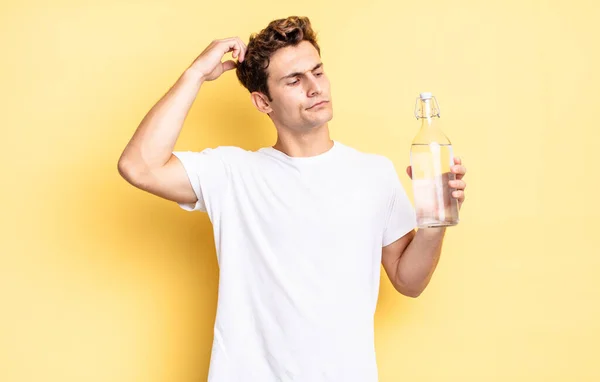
(124,167)
(129,170)
(412,293)
(408,290)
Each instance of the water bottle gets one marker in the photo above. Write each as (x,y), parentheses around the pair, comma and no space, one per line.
(431,158)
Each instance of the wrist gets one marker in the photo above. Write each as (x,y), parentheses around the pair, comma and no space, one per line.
(194,75)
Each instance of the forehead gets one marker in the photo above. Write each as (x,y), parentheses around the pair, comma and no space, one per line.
(290,59)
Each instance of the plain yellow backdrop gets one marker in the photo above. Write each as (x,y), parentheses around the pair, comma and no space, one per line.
(100,282)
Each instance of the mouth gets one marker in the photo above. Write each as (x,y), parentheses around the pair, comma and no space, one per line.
(318,104)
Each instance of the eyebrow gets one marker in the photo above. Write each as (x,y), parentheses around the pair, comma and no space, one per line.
(320,64)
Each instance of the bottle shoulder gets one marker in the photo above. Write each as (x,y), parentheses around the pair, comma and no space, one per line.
(426,137)
(431,132)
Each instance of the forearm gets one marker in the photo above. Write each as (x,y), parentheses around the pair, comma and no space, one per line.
(154,140)
(419,260)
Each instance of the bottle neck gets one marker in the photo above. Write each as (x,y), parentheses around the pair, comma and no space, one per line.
(428,110)
(428,114)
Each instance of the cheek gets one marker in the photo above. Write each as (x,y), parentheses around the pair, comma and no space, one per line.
(292,103)
(296,101)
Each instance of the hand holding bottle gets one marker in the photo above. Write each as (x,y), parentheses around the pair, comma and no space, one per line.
(457,184)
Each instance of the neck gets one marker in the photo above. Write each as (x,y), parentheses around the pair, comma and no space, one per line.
(304,143)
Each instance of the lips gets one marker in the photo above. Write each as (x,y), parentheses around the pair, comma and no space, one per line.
(317,104)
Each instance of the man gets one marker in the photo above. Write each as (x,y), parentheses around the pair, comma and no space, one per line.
(301,228)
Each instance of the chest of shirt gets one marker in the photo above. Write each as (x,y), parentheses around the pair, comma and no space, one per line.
(317,204)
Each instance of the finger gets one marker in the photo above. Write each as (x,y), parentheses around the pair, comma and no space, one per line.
(236,50)
(243,49)
(229,65)
(230,44)
(457,160)
(459,170)
(235,46)
(460,195)
(409,171)
(458,184)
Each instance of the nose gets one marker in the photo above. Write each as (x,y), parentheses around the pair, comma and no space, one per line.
(314,88)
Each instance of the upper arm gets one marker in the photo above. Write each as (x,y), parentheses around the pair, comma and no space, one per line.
(197,181)
(169,181)
(390,256)
(400,224)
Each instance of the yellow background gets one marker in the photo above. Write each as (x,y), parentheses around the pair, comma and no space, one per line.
(102,282)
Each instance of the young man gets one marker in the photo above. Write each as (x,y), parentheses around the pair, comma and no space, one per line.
(301,228)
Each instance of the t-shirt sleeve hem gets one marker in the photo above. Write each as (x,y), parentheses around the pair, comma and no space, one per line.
(186,160)
(399,232)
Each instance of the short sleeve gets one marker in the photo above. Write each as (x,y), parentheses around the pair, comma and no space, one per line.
(401,216)
(208,173)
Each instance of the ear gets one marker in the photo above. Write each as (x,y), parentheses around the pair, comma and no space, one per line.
(261,102)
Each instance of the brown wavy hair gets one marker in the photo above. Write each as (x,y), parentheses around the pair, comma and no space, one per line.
(280,33)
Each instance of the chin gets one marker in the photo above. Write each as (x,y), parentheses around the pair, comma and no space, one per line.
(327,117)
(323,116)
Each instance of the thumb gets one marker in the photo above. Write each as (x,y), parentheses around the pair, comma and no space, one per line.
(229,65)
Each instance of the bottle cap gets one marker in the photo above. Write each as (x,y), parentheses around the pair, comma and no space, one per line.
(425,96)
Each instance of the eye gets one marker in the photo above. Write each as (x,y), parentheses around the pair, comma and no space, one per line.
(293,83)
(319,74)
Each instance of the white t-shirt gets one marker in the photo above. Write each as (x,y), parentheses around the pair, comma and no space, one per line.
(299,243)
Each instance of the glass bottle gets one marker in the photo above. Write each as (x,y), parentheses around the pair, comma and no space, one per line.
(431,157)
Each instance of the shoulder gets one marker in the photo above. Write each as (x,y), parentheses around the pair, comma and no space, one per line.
(227,154)
(370,161)
(229,151)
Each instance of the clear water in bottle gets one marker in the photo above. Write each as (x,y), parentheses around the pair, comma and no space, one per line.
(431,157)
